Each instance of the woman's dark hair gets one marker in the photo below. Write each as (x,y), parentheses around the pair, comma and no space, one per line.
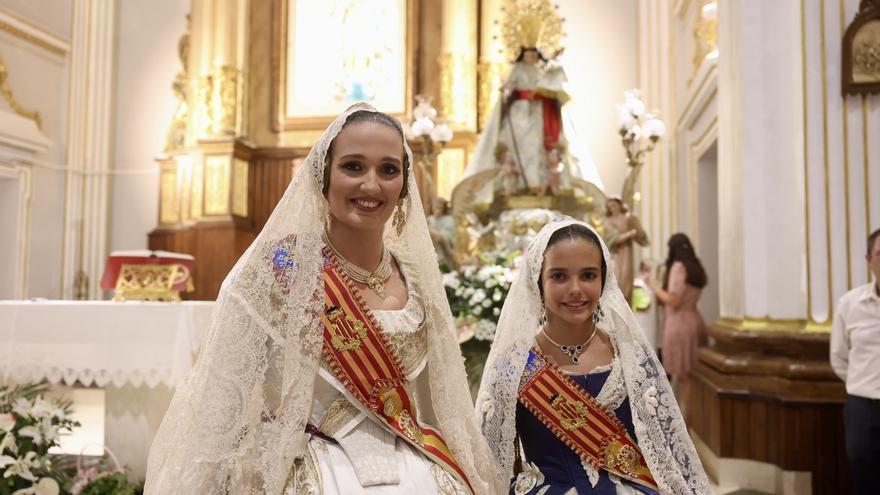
(681,249)
(570,232)
(524,49)
(378,118)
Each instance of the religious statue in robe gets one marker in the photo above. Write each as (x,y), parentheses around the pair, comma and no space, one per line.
(622,231)
(526,124)
(529,118)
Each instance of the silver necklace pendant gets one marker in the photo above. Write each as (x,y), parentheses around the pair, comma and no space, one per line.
(573,351)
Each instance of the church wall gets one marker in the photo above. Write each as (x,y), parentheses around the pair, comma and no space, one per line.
(144,103)
(38,79)
(795,159)
(601,59)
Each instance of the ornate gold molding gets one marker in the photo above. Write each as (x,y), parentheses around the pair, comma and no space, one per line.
(768,324)
(8,24)
(10,99)
(705,36)
(219,94)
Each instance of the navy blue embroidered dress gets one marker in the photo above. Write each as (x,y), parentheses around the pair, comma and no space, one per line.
(561,467)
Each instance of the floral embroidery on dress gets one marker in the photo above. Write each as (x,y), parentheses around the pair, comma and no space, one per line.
(283,261)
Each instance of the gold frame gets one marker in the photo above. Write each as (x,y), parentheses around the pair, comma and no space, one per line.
(278,59)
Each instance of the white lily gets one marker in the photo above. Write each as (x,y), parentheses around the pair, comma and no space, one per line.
(32,432)
(22,407)
(20,467)
(8,442)
(46,486)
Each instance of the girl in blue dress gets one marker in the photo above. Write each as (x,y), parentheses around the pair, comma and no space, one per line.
(573,399)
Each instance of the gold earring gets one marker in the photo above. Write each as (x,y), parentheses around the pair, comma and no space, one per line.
(399,220)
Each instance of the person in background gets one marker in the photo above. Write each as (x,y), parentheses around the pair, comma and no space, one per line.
(683,327)
(855,357)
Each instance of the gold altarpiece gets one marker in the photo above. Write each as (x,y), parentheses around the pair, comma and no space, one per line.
(241,126)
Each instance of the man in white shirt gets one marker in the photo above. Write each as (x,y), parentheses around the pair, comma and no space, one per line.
(855,357)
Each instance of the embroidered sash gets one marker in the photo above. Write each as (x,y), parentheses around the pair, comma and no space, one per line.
(359,355)
(584,425)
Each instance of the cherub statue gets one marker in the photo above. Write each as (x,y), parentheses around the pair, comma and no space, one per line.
(508,175)
(555,166)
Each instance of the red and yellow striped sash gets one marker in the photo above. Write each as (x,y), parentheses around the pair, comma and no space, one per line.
(359,355)
(585,426)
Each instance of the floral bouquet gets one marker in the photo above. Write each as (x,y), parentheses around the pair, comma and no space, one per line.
(476,294)
(29,426)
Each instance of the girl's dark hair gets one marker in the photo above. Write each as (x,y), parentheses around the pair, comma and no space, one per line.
(524,49)
(378,118)
(681,249)
(570,232)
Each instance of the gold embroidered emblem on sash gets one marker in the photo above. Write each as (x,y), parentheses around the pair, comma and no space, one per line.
(348,333)
(573,413)
(622,457)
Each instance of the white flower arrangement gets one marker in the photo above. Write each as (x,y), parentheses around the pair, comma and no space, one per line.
(30,425)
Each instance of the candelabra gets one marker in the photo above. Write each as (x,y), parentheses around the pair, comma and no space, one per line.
(431,133)
(639,132)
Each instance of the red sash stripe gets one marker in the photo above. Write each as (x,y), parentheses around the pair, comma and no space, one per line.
(383,371)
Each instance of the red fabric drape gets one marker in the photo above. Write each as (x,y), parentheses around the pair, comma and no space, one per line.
(552,116)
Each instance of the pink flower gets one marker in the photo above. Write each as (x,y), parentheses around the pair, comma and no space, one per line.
(7,422)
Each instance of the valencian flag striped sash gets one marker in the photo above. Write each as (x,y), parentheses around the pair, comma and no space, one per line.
(585,426)
(356,348)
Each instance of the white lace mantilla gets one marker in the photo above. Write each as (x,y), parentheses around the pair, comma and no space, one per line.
(100,343)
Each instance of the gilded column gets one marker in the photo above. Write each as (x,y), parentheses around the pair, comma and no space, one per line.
(458,62)
(492,64)
(87,190)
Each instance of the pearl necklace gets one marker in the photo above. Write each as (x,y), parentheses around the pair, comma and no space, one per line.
(375,280)
(572,351)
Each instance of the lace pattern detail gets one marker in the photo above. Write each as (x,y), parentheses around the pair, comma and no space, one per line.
(406,333)
(305,477)
(339,414)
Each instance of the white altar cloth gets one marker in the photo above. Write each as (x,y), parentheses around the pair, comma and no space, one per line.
(101,343)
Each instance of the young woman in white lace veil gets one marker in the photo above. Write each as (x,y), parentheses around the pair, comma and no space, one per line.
(238,424)
(634,376)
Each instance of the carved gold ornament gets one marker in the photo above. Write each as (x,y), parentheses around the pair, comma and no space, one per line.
(177,130)
(218,97)
(151,282)
(531,24)
(866,53)
(705,34)
(10,99)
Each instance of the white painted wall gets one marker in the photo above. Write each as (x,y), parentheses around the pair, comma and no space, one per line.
(601,61)
(39,81)
(146,64)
